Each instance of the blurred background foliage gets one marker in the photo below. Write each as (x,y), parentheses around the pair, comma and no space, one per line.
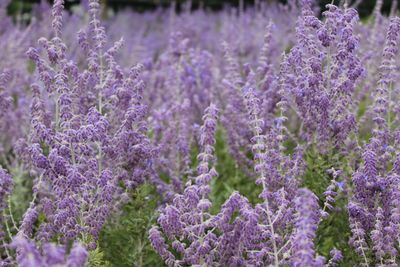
(24,6)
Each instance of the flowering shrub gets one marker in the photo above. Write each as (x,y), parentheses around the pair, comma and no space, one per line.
(265,136)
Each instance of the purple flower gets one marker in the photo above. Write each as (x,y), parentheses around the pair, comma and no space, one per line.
(28,255)
(307,218)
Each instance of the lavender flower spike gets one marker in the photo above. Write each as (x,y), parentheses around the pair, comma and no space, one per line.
(307,218)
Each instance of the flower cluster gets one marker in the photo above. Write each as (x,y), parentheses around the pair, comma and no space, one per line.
(372,209)
(51,255)
(186,222)
(87,137)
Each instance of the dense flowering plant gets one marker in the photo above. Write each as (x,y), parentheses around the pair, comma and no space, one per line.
(87,155)
(265,135)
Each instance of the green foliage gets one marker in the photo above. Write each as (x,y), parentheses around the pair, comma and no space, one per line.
(22,192)
(316,177)
(367,20)
(230,177)
(31,66)
(362,107)
(96,259)
(334,231)
(124,240)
